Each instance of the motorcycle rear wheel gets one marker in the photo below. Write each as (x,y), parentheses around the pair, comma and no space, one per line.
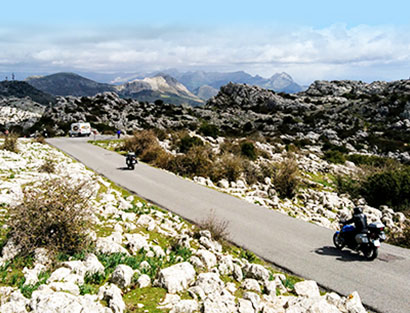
(131,166)
(338,241)
(370,253)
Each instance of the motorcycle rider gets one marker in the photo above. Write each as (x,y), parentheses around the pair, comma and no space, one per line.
(360,221)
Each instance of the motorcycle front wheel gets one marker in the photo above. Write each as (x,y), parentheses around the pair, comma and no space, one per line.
(370,253)
(338,241)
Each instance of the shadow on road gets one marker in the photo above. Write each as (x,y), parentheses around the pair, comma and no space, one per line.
(341,255)
(125,168)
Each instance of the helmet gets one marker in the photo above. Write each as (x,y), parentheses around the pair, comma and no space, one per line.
(357,210)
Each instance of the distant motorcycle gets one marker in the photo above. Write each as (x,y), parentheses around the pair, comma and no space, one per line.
(131,160)
(368,243)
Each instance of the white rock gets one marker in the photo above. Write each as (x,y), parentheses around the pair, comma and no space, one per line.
(251,285)
(223,183)
(13,302)
(210,283)
(144,281)
(43,301)
(354,304)
(185,306)
(208,258)
(169,301)
(93,265)
(122,275)
(107,246)
(177,278)
(256,271)
(254,298)
(245,306)
(307,288)
(62,286)
(63,274)
(136,242)
(112,294)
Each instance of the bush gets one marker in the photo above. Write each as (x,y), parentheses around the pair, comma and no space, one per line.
(39,139)
(248,150)
(346,184)
(252,173)
(49,166)
(391,187)
(55,216)
(140,141)
(187,142)
(370,160)
(287,177)
(10,143)
(217,227)
(228,166)
(209,130)
(197,162)
(335,156)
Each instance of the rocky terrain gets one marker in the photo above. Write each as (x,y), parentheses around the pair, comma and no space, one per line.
(142,259)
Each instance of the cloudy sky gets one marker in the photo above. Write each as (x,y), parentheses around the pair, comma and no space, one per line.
(361,39)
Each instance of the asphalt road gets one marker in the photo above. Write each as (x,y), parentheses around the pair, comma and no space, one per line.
(299,247)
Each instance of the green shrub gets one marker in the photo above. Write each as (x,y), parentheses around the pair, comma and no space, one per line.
(197,162)
(55,215)
(187,142)
(287,177)
(10,143)
(346,184)
(401,239)
(248,150)
(370,160)
(334,156)
(209,130)
(391,187)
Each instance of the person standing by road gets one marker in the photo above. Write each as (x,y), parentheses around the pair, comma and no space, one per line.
(118,134)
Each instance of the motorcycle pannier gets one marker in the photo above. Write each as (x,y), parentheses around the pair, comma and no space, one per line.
(361,238)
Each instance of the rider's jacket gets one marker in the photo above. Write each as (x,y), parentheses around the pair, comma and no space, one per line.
(360,222)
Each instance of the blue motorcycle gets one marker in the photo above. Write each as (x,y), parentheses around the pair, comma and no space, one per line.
(368,243)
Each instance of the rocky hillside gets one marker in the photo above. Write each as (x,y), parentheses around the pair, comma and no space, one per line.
(140,258)
(68,84)
(22,90)
(162,87)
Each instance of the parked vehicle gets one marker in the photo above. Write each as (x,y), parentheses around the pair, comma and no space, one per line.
(368,243)
(80,129)
(131,160)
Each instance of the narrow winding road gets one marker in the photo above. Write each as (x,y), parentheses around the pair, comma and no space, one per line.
(302,248)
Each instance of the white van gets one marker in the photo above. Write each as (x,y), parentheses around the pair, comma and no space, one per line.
(80,129)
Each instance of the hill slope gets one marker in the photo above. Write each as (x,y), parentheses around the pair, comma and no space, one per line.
(68,84)
(20,89)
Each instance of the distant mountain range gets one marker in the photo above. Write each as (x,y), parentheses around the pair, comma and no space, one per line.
(150,89)
(171,86)
(207,84)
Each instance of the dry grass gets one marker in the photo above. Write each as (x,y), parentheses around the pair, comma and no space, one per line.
(140,141)
(55,216)
(219,228)
(40,139)
(287,177)
(10,143)
(49,166)
(228,166)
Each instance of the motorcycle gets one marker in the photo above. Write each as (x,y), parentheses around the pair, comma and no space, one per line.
(131,160)
(368,243)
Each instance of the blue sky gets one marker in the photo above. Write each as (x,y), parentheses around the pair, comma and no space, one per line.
(367,40)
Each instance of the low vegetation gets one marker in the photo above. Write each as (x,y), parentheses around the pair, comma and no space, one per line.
(219,228)
(54,215)
(10,143)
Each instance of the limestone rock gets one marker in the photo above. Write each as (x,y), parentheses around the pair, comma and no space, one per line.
(176,278)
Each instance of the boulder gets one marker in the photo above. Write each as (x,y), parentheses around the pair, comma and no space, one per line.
(256,271)
(207,258)
(144,281)
(307,288)
(122,276)
(245,306)
(185,306)
(112,295)
(176,278)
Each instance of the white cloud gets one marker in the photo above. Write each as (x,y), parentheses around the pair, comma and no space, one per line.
(335,52)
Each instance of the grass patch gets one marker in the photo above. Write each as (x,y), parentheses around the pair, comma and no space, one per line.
(149,297)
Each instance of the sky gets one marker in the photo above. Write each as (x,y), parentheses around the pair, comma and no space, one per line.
(310,40)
